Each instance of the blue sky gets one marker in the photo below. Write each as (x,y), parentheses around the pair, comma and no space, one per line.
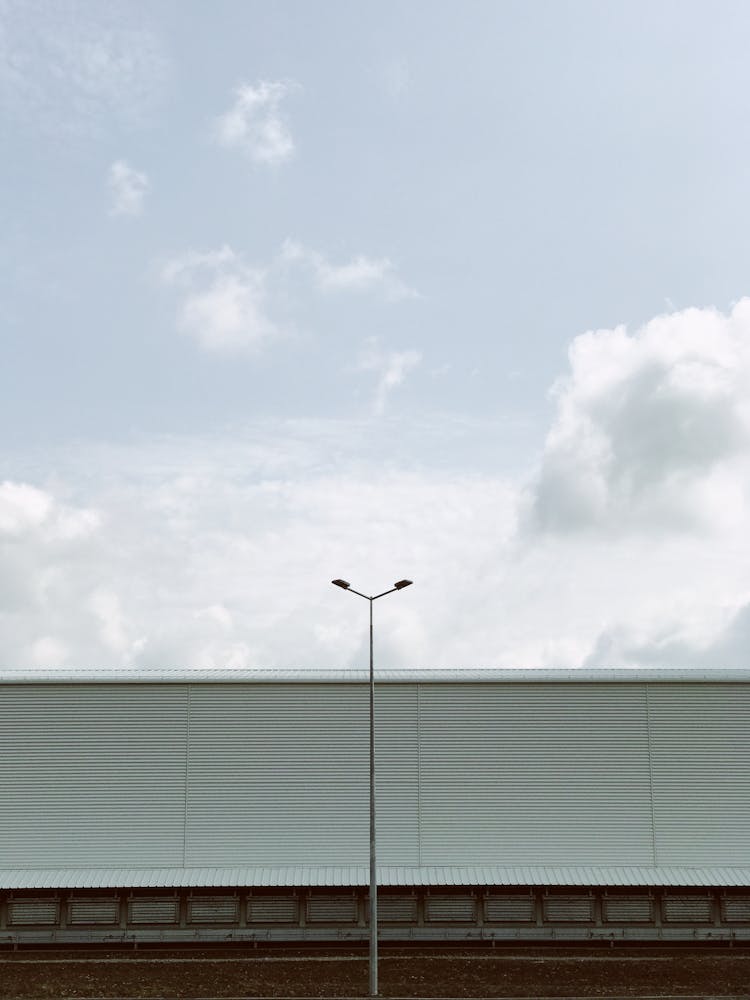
(446,290)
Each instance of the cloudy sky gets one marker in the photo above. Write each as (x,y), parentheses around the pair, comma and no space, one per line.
(453,291)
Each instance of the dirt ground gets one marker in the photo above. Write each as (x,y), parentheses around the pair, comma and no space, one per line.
(25,975)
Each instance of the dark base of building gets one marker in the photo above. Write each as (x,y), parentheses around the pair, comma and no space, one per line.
(304,916)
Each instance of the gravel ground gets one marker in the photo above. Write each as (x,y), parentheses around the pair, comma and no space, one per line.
(413,974)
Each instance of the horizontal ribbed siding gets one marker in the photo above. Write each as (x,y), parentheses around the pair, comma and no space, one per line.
(265,784)
(93,912)
(534,775)
(92,775)
(700,759)
(312,875)
(277,775)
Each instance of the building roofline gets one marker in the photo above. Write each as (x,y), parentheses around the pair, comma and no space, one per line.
(492,675)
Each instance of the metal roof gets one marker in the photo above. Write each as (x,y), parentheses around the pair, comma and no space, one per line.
(617,675)
(359,875)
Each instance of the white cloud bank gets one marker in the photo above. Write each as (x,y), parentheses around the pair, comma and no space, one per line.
(255,125)
(127,187)
(630,548)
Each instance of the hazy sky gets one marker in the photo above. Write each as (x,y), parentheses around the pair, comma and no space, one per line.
(447,290)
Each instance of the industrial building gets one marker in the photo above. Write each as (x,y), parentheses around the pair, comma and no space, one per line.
(512,805)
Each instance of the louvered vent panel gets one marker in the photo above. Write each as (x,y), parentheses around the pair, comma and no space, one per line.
(273,910)
(153,910)
(568,909)
(395,909)
(331,909)
(628,909)
(93,911)
(454,908)
(736,909)
(687,909)
(33,911)
(213,910)
(510,908)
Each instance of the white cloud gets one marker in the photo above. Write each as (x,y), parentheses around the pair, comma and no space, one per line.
(48,653)
(219,551)
(254,123)
(724,644)
(361,274)
(223,306)
(392,367)
(128,189)
(106,608)
(25,509)
(229,306)
(71,67)
(22,507)
(649,425)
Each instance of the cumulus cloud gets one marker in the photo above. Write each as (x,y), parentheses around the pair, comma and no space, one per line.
(361,274)
(25,509)
(127,187)
(224,301)
(648,425)
(254,123)
(391,367)
(230,306)
(223,555)
(69,68)
(222,552)
(676,644)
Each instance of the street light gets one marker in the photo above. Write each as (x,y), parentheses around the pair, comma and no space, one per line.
(373,874)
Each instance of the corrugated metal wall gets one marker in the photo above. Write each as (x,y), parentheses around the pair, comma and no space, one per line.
(92,774)
(701,771)
(139,775)
(534,774)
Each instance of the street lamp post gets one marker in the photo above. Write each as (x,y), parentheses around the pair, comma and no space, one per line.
(373,873)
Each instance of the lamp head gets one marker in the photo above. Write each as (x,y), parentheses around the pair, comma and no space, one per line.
(341,583)
(403,583)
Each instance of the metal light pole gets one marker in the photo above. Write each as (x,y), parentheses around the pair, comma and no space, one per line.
(373,872)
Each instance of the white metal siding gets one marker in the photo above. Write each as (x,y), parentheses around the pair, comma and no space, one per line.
(277,775)
(701,764)
(477,783)
(531,774)
(92,775)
